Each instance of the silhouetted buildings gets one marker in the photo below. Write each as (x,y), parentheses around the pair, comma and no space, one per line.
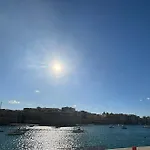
(66,116)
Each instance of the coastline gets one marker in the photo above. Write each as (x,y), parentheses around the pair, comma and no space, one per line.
(67,116)
(130,148)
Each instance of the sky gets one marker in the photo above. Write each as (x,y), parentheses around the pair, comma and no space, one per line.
(93,55)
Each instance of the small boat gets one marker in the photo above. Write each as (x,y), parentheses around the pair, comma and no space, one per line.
(78,130)
(146,126)
(111,126)
(124,127)
(1,130)
(16,132)
(23,129)
(31,125)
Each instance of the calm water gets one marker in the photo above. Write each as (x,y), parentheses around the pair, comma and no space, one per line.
(49,138)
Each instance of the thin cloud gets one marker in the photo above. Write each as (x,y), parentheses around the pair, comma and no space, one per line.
(148,98)
(141,100)
(31,66)
(13,102)
(74,106)
(37,91)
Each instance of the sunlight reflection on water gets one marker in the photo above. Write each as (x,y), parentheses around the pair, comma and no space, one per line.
(50,138)
(47,138)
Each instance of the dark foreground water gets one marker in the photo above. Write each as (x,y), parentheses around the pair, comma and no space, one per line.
(50,138)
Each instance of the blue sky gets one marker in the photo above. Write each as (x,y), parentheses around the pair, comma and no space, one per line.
(103,47)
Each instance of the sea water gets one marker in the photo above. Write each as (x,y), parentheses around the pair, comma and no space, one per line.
(51,138)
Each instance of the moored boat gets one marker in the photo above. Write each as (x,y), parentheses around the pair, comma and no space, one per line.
(16,132)
(31,125)
(78,130)
(146,126)
(111,126)
(24,129)
(124,127)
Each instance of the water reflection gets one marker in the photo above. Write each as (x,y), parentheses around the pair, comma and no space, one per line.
(45,138)
(50,138)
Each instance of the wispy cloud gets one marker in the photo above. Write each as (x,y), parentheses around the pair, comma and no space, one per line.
(74,106)
(31,66)
(13,102)
(144,99)
(37,91)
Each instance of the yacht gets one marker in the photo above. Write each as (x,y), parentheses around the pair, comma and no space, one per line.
(78,130)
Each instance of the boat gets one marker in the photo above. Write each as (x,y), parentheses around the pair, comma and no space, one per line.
(23,129)
(57,126)
(78,130)
(31,125)
(1,130)
(124,127)
(146,126)
(111,126)
(16,132)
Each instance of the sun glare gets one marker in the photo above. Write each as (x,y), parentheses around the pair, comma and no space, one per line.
(57,68)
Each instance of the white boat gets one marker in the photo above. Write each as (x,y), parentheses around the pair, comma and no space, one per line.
(78,130)
(146,126)
(23,129)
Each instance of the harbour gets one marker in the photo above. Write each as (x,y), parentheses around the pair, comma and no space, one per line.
(49,137)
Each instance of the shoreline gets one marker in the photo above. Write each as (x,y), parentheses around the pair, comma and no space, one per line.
(130,148)
(68,116)
(67,125)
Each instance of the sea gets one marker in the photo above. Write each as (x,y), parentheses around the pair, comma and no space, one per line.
(51,138)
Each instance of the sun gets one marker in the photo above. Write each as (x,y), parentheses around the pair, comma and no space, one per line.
(57,67)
